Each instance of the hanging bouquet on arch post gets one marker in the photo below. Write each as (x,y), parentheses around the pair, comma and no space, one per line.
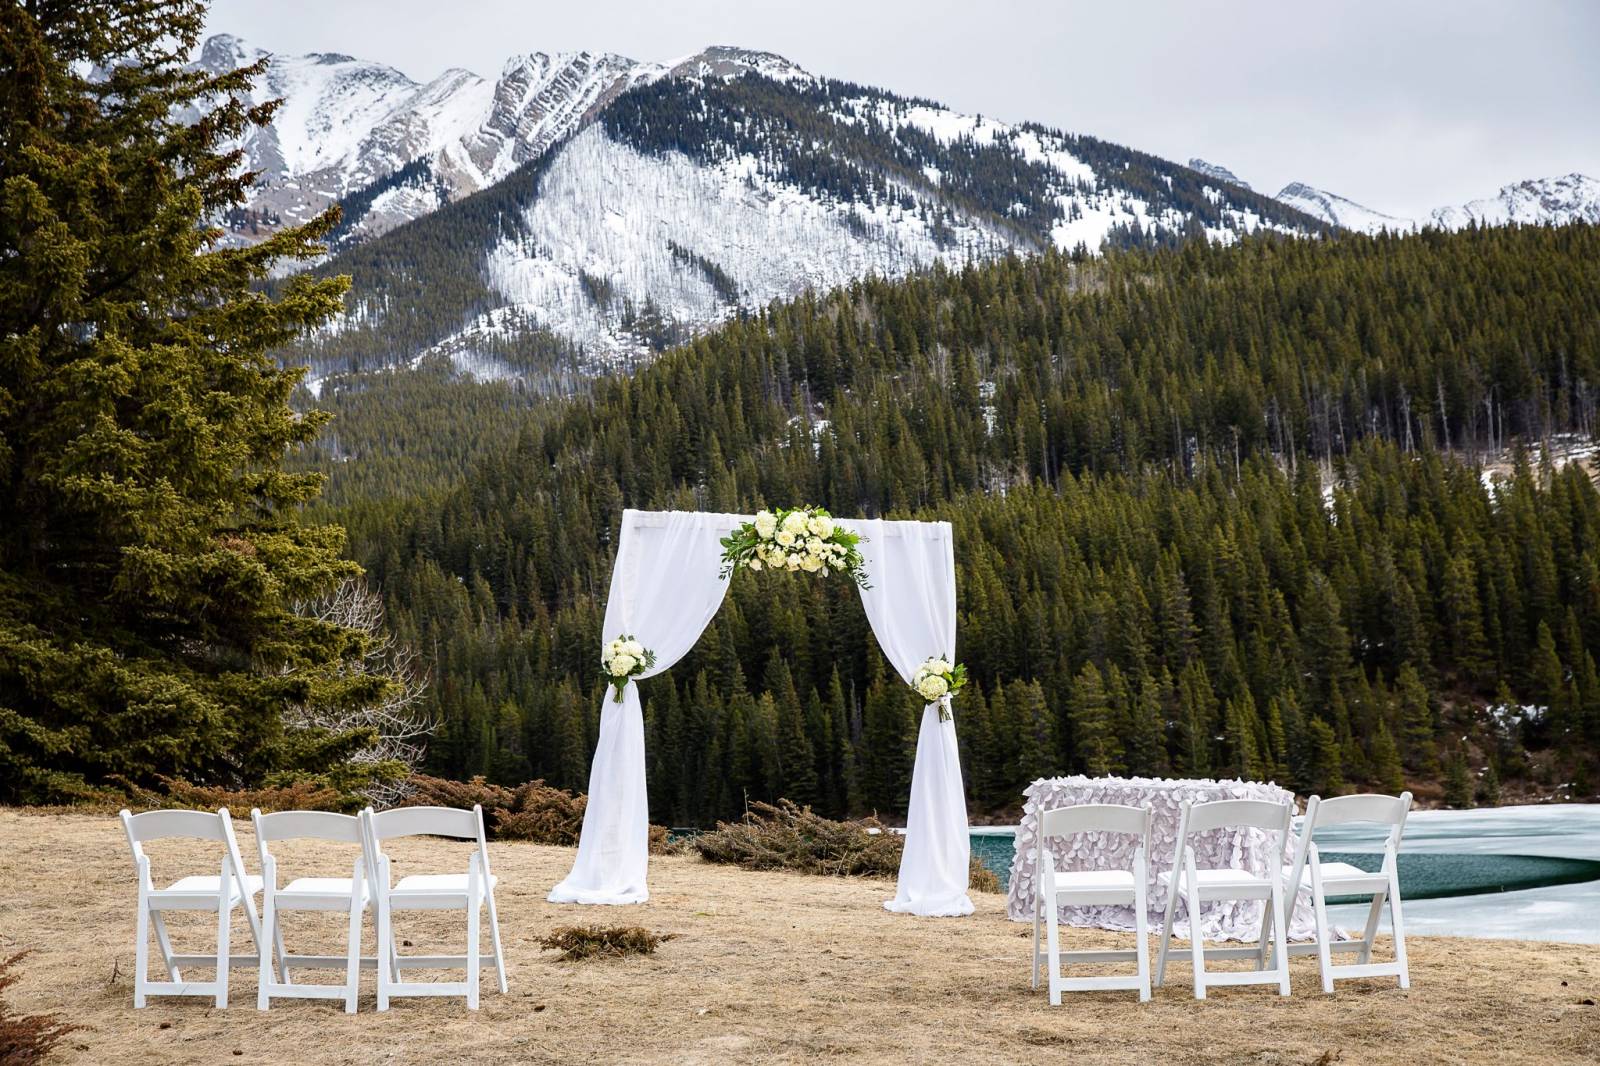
(623,660)
(797,538)
(938,680)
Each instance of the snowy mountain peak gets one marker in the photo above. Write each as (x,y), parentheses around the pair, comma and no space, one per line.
(1339,211)
(730,61)
(1535,202)
(223,52)
(1570,198)
(1212,170)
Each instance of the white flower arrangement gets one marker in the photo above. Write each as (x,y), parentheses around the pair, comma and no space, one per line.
(800,538)
(623,660)
(938,680)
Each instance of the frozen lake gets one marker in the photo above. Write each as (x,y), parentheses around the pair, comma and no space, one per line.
(1569,912)
(1448,854)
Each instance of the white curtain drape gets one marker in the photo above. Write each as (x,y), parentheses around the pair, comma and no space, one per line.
(664,591)
(911,605)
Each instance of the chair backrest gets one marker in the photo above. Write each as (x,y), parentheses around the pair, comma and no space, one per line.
(305,825)
(1251,814)
(1344,810)
(191,825)
(426,821)
(1094,818)
(1254,814)
(1091,818)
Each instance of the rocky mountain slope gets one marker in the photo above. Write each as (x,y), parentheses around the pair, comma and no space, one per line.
(586,210)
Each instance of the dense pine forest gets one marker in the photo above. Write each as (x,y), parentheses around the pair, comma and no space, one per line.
(1218,510)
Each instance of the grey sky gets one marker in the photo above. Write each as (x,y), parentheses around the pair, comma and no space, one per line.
(1401,105)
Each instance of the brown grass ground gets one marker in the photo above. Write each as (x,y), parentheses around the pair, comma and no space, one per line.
(766,967)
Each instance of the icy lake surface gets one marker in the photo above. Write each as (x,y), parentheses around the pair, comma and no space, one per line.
(1442,845)
(1568,912)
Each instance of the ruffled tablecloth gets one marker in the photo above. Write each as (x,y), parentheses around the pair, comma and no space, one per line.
(1245,849)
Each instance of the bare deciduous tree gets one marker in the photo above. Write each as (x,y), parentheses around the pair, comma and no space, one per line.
(401,731)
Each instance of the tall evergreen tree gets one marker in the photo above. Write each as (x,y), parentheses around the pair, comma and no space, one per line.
(151,556)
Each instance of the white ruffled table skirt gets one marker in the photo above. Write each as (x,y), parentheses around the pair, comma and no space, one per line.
(1244,849)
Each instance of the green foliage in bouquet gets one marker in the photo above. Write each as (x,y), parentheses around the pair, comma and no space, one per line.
(794,539)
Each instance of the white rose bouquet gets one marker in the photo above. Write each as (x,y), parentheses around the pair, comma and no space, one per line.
(623,660)
(801,538)
(938,679)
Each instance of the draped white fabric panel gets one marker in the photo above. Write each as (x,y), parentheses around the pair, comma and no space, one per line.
(664,592)
(911,605)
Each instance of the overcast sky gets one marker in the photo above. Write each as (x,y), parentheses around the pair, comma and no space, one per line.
(1401,105)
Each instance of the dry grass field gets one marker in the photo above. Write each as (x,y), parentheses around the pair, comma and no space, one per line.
(765,967)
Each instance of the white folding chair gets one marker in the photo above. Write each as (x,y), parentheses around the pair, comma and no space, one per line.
(221,893)
(1201,886)
(348,894)
(429,892)
(1343,879)
(1081,888)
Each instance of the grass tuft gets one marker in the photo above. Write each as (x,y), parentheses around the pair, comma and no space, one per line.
(26,1038)
(578,942)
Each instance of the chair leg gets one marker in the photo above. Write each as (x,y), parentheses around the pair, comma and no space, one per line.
(1399,929)
(474,966)
(499,954)
(276,939)
(1142,932)
(352,971)
(1371,932)
(1319,904)
(1263,936)
(224,917)
(1166,930)
(1197,943)
(269,926)
(1038,914)
(1280,936)
(141,950)
(385,951)
(164,942)
(1053,958)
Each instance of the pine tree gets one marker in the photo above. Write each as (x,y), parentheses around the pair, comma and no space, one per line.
(1035,730)
(1324,772)
(1089,711)
(1243,755)
(1277,743)
(1458,782)
(152,553)
(1489,787)
(796,758)
(1417,721)
(1386,770)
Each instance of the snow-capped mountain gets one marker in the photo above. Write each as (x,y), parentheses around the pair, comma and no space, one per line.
(1212,170)
(1539,201)
(583,209)
(1337,211)
(348,126)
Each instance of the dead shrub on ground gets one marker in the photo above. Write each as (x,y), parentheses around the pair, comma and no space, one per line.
(300,796)
(577,942)
(533,811)
(26,1038)
(786,836)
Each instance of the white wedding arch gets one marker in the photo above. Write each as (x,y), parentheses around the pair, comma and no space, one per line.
(666,585)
